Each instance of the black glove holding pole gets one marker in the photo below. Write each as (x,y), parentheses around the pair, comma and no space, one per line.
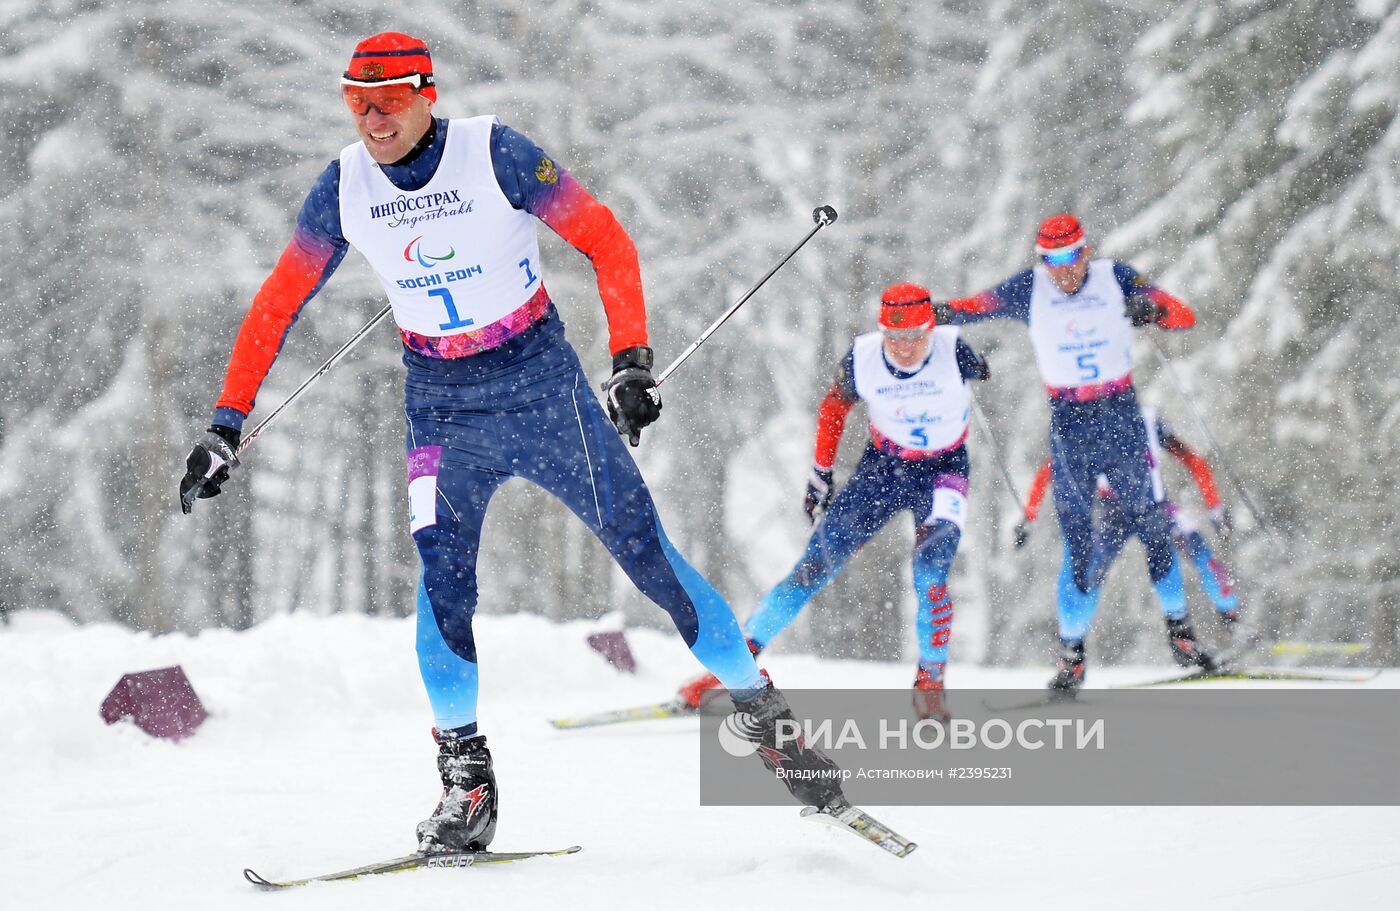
(208,465)
(821,487)
(1142,311)
(632,397)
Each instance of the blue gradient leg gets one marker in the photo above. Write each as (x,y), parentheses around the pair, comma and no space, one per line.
(1215,577)
(1076,608)
(935,547)
(451,681)
(828,549)
(450,513)
(587,466)
(859,510)
(1171,592)
(718,645)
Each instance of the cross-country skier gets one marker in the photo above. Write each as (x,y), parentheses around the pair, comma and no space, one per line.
(912,376)
(445,212)
(1112,530)
(1081,313)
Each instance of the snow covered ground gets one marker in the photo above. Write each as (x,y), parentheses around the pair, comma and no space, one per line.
(317,757)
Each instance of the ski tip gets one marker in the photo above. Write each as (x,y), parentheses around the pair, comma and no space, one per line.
(906,849)
(257,880)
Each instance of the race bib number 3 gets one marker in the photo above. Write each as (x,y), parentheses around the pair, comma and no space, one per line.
(948,504)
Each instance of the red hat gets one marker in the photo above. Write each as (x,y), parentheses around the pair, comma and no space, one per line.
(392,56)
(906,306)
(1059,233)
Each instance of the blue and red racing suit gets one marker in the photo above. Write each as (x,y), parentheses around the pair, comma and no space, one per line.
(1111,528)
(487,398)
(1083,346)
(892,476)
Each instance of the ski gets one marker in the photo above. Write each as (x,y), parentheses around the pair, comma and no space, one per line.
(855,820)
(435,860)
(673,708)
(1241,673)
(1189,677)
(1313,649)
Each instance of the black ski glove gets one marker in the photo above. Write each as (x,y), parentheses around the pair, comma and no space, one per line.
(942,313)
(1142,311)
(633,399)
(208,465)
(821,486)
(1023,534)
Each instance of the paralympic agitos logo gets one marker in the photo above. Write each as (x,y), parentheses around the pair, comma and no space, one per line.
(414,253)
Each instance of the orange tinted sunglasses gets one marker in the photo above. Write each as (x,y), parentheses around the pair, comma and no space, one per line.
(389,96)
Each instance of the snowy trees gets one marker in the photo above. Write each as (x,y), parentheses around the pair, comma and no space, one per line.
(1243,154)
(1272,154)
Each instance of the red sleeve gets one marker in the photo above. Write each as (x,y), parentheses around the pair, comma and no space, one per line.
(595,232)
(981,302)
(1199,468)
(1178,315)
(302,269)
(1038,488)
(831,421)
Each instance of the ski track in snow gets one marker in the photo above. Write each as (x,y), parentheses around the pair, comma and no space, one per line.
(317,757)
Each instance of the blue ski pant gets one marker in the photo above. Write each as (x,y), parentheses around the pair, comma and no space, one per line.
(1106,437)
(1112,531)
(525,410)
(1215,576)
(934,490)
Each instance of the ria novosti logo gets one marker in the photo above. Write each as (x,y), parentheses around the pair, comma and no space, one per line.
(739,734)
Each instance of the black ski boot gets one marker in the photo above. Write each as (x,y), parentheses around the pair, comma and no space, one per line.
(465,818)
(818,779)
(1069,675)
(1186,651)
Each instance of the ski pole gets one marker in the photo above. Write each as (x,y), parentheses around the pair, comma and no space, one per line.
(823,216)
(193,493)
(1210,438)
(984,426)
(320,371)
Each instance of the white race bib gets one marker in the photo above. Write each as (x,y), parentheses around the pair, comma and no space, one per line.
(926,411)
(453,257)
(1085,338)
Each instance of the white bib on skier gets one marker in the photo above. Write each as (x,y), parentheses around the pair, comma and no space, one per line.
(453,257)
(926,411)
(1085,338)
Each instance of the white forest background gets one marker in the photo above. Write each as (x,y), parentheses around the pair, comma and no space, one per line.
(1242,154)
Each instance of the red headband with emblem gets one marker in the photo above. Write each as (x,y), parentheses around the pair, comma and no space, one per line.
(906,306)
(1059,234)
(392,57)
